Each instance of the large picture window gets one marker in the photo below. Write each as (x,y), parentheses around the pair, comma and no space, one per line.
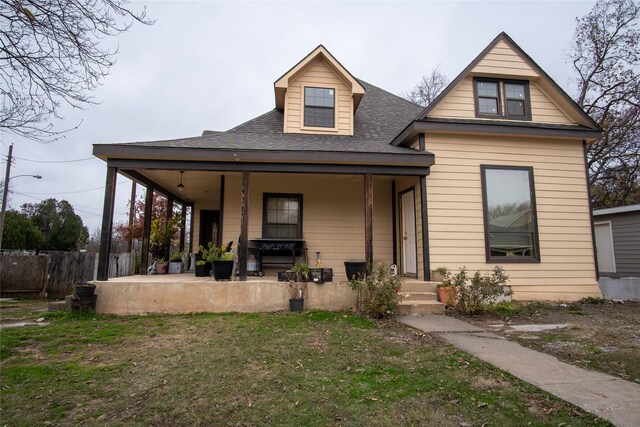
(510,221)
(319,107)
(282,216)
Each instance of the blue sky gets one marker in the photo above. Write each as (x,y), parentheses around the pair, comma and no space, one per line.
(212,64)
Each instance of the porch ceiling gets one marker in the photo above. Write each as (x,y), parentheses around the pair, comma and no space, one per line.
(197,184)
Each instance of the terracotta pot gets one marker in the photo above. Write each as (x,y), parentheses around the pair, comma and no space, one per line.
(161,267)
(447,296)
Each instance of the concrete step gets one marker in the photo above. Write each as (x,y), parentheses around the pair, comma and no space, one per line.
(420,307)
(419,286)
(417,296)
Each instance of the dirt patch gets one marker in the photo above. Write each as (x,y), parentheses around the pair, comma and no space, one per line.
(603,336)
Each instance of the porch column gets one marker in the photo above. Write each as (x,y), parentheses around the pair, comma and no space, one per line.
(146,230)
(107,224)
(426,263)
(169,215)
(368,221)
(182,230)
(191,214)
(244,226)
(132,212)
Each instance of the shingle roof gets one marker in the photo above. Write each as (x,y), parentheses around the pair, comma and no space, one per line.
(379,118)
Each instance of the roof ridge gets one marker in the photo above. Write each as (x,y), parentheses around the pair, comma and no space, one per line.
(249,121)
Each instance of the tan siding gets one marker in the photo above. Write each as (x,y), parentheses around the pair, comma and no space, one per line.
(504,61)
(319,74)
(333,214)
(459,103)
(456,227)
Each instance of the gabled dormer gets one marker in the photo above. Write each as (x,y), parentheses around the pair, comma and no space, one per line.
(318,96)
(504,83)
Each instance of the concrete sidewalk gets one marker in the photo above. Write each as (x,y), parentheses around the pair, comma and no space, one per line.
(608,397)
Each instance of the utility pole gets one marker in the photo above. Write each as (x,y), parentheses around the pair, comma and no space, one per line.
(5,193)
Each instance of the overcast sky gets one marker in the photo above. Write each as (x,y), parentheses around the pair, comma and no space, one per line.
(211,65)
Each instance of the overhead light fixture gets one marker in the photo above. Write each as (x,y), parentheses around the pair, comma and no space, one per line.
(180,186)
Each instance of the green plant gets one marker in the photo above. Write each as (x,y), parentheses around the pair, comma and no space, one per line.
(473,293)
(162,232)
(176,257)
(592,300)
(378,293)
(301,271)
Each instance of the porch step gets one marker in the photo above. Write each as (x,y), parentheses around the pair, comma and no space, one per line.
(417,296)
(420,307)
(419,286)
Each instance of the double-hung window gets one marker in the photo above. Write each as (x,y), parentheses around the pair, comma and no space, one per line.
(506,99)
(282,216)
(510,220)
(319,107)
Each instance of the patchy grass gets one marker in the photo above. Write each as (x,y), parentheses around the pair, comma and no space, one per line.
(315,369)
(601,335)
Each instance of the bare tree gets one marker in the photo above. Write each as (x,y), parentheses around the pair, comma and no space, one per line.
(428,89)
(605,52)
(51,54)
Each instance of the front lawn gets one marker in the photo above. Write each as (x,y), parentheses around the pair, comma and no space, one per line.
(600,335)
(317,368)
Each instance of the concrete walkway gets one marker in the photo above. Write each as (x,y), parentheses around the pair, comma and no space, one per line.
(608,397)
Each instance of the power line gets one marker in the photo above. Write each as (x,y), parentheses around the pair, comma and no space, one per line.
(72,192)
(55,161)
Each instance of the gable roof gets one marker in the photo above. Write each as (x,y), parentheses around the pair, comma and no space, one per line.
(281,85)
(545,79)
(381,116)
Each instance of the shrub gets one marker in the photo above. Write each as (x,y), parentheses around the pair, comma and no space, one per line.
(378,293)
(473,293)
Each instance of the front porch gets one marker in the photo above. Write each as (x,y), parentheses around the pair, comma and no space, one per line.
(185,293)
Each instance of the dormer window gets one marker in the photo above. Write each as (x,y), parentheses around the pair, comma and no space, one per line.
(319,107)
(505,99)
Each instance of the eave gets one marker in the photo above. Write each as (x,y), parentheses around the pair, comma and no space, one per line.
(131,157)
(494,127)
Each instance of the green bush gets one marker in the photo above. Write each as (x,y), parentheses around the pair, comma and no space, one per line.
(378,293)
(473,293)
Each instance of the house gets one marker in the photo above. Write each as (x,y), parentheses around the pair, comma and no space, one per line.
(491,173)
(617,232)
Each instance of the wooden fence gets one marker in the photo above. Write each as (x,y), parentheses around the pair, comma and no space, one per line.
(53,274)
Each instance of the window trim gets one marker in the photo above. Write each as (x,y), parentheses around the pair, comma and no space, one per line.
(265,200)
(476,97)
(502,99)
(304,107)
(485,211)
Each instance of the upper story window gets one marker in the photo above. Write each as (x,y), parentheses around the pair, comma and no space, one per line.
(508,99)
(510,223)
(319,107)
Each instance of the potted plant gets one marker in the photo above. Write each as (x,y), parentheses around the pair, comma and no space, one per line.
(175,263)
(222,263)
(446,289)
(203,263)
(298,282)
(162,231)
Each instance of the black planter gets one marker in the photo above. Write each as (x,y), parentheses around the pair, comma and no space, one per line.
(84,290)
(203,270)
(222,270)
(356,270)
(296,305)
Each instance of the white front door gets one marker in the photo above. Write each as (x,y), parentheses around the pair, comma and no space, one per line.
(408,233)
(604,246)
